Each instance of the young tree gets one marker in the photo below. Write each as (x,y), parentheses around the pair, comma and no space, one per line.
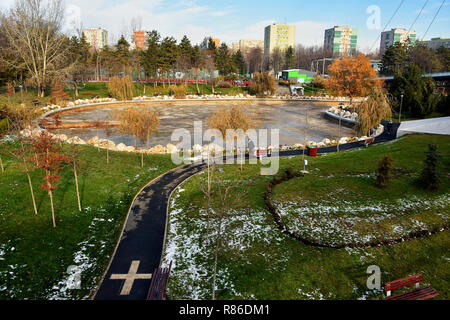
(130,123)
(384,171)
(50,160)
(149,124)
(239,62)
(289,58)
(223,60)
(429,177)
(168,55)
(73,154)
(121,88)
(24,154)
(372,111)
(58,94)
(418,91)
(352,77)
(32,29)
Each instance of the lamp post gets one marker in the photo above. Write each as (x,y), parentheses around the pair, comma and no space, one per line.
(339,132)
(401,105)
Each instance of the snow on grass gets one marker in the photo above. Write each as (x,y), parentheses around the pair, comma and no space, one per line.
(192,251)
(351,222)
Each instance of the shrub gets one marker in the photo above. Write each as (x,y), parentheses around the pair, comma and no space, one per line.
(384,172)
(430,178)
(58,94)
(121,88)
(223,84)
(179,92)
(263,84)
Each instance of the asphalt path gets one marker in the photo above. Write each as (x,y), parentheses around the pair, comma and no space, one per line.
(139,249)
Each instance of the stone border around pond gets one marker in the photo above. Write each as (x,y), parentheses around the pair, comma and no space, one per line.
(170,148)
(289,175)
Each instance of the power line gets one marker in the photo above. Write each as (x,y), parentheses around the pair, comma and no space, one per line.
(435,16)
(420,13)
(398,8)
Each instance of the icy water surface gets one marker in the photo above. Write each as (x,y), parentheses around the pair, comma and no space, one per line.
(289,118)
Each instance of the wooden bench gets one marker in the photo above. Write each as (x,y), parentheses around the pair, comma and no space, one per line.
(420,293)
(368,141)
(158,287)
(263,152)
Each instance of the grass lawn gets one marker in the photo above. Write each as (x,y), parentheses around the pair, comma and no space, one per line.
(337,201)
(90,90)
(34,256)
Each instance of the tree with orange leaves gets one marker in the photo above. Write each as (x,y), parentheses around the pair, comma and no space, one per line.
(51,160)
(352,77)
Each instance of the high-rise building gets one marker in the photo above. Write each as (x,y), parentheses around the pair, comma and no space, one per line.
(96,37)
(436,43)
(245,46)
(140,39)
(389,38)
(205,43)
(280,36)
(341,40)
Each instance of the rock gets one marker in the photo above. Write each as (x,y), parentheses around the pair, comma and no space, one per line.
(93,141)
(76,140)
(105,143)
(299,146)
(121,147)
(171,148)
(158,149)
(197,148)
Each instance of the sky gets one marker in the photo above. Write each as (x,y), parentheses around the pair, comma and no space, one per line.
(234,20)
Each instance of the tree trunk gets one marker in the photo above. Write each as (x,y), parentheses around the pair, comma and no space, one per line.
(76,185)
(1,164)
(107,154)
(215,259)
(142,159)
(32,193)
(76,90)
(50,194)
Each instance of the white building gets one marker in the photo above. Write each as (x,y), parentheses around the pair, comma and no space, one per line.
(96,37)
(280,36)
(436,43)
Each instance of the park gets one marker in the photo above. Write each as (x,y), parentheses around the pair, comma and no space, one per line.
(94,207)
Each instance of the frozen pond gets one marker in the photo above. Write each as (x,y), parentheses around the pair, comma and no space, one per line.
(289,118)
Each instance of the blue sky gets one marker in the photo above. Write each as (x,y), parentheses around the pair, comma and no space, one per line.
(232,20)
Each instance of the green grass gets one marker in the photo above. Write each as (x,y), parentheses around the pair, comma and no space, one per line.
(258,262)
(34,256)
(91,90)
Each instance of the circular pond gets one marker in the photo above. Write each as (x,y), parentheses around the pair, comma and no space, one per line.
(288,117)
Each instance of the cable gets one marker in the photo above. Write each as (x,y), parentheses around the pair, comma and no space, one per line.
(420,13)
(400,5)
(435,16)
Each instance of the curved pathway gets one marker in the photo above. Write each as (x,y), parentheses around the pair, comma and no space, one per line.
(139,249)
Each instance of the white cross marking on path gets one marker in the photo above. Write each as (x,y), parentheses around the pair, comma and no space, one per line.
(130,277)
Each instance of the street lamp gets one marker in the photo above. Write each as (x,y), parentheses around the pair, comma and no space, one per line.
(401,104)
(340,119)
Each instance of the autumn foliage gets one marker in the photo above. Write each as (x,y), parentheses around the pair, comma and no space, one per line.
(352,77)
(233,117)
(50,160)
(58,93)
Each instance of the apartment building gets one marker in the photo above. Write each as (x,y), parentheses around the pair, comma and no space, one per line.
(96,37)
(280,36)
(389,38)
(341,40)
(140,39)
(436,43)
(245,46)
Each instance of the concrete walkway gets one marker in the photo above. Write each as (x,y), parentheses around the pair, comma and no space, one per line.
(430,126)
(140,247)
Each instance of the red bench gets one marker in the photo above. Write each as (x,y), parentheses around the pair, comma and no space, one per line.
(158,287)
(420,293)
(368,141)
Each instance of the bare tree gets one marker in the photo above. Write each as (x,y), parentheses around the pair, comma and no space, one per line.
(32,29)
